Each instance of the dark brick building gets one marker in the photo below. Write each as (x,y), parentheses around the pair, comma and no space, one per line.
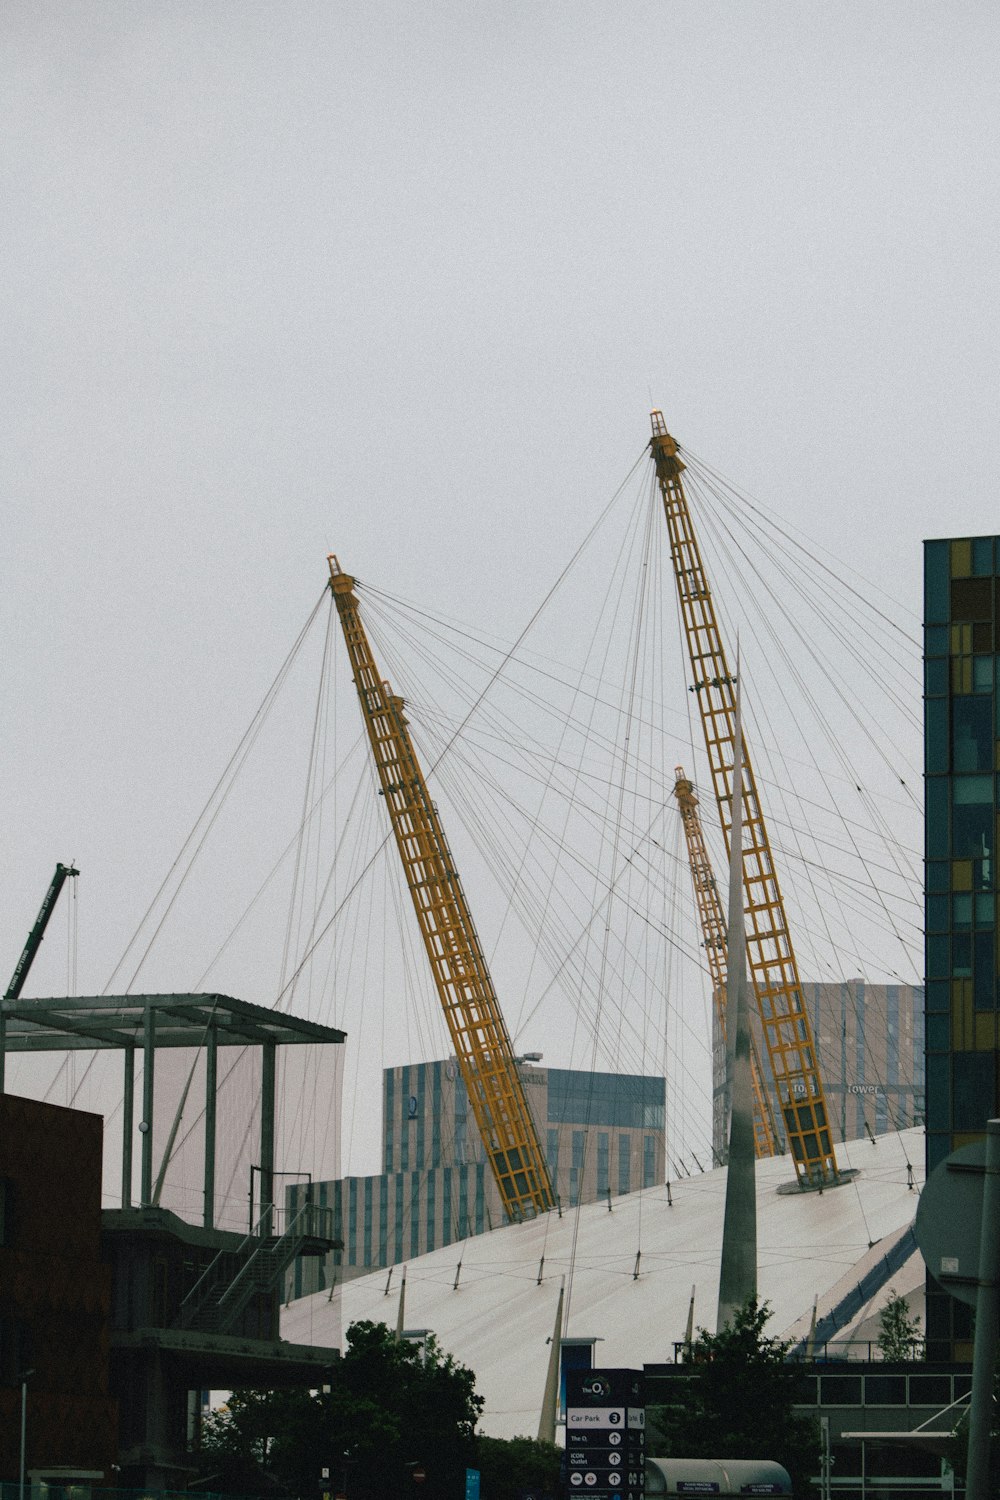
(55,1294)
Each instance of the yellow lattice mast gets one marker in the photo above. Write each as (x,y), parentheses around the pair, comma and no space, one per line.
(472,1011)
(713,928)
(770,956)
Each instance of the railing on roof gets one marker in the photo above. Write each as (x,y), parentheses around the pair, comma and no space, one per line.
(833,1351)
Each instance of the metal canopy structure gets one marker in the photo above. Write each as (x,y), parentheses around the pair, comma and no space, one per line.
(94,1022)
(132,1023)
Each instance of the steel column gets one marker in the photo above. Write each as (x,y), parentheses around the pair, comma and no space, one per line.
(146,1123)
(128,1125)
(268,1055)
(211,1083)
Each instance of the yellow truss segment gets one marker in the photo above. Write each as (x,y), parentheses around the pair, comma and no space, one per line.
(478,1032)
(770,956)
(712,919)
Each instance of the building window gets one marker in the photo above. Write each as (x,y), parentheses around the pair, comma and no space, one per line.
(937,914)
(972,731)
(984,990)
(936,579)
(577,1150)
(974,1089)
(936,677)
(603,1179)
(624,1164)
(972,817)
(936,831)
(972,599)
(938,1033)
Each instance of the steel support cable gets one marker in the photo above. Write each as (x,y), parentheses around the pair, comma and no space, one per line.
(790,571)
(242,1052)
(307,799)
(475,767)
(547,703)
(642,915)
(492,726)
(501,667)
(634,658)
(783,529)
(555,761)
(527,913)
(794,581)
(666,468)
(218,797)
(872,883)
(824,664)
(840,879)
(494,851)
(613,573)
(536,699)
(481,827)
(823,724)
(513,804)
(761,734)
(827,667)
(307,859)
(282,857)
(841,848)
(831,583)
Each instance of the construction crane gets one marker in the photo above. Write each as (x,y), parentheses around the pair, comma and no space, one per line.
(31,947)
(714,939)
(770,957)
(478,1032)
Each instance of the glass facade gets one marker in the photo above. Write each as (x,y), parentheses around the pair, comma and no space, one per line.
(962,808)
(626,1100)
(603,1133)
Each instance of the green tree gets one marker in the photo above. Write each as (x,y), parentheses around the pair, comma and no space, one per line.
(510,1466)
(389,1408)
(899,1334)
(739,1401)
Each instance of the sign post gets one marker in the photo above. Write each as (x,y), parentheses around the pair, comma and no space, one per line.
(606,1434)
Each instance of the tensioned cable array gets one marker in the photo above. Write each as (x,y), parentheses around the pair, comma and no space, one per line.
(527,744)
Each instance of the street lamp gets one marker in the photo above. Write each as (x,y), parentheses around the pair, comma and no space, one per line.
(23,1378)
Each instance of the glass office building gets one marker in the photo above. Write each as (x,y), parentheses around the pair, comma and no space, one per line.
(870,1049)
(602,1133)
(962,807)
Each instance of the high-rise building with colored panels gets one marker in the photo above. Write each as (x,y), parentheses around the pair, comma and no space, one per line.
(962,807)
(870,1049)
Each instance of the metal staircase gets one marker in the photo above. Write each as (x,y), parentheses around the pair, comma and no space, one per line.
(218,1298)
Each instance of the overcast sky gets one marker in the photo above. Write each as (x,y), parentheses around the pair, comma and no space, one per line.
(400,281)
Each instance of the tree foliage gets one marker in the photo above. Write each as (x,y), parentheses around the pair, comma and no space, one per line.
(739,1401)
(899,1333)
(389,1407)
(509,1466)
